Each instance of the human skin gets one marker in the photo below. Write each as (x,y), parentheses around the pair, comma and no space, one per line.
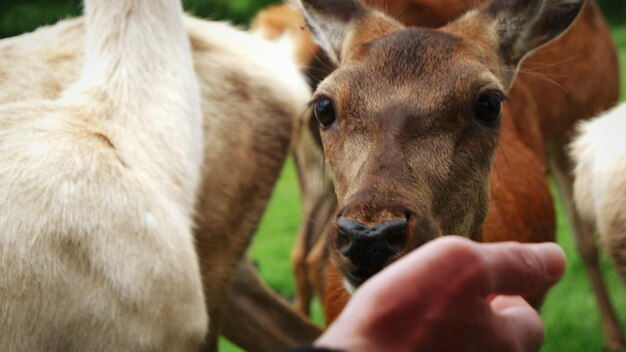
(451,295)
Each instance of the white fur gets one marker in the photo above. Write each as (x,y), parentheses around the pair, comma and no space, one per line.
(97,192)
(600,173)
(270,59)
(40,64)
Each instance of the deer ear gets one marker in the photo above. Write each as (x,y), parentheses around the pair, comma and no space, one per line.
(340,25)
(517,27)
(523,25)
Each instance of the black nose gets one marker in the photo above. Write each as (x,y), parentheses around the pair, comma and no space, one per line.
(370,247)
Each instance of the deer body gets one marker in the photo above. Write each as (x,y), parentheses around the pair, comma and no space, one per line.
(600,181)
(252,98)
(98,189)
(599,194)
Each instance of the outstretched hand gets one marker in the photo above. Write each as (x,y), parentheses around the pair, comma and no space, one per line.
(451,295)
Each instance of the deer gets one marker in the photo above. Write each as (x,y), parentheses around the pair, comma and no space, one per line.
(252,98)
(599,185)
(397,191)
(277,23)
(553,71)
(98,189)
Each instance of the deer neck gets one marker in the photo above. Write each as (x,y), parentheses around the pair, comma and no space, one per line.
(139,81)
(138,48)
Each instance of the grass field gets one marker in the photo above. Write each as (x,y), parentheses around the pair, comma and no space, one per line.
(570,313)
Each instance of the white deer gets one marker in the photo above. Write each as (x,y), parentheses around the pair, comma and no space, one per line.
(97,193)
(600,194)
(252,97)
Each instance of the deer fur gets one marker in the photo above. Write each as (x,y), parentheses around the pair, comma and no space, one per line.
(98,190)
(252,98)
(520,203)
(550,79)
(600,195)
(277,23)
(600,180)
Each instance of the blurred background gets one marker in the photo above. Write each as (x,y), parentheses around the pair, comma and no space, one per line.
(19,16)
(570,313)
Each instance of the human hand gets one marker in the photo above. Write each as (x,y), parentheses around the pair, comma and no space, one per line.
(440,297)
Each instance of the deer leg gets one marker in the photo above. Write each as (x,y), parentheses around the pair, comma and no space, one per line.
(215,328)
(617,250)
(586,244)
(257,319)
(310,251)
(303,289)
(315,261)
(616,244)
(587,248)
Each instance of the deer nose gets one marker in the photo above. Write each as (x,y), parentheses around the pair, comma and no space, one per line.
(370,247)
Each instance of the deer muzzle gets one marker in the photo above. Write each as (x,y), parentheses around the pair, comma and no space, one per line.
(361,248)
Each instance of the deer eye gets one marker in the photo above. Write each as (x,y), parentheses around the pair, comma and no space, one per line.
(324,112)
(488,107)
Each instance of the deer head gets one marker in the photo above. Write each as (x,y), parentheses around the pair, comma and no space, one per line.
(411,118)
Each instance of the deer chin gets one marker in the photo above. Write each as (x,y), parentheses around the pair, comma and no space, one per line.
(351,276)
(352,280)
(355,279)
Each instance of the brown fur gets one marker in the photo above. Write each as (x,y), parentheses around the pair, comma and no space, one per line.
(274,328)
(308,255)
(234,204)
(319,204)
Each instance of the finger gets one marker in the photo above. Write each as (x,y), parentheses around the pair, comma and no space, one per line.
(522,269)
(448,254)
(520,321)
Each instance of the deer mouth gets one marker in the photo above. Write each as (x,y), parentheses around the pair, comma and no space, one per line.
(357,278)
(361,249)
(353,280)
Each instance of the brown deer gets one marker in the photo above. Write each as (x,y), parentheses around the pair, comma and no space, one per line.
(560,64)
(391,200)
(252,99)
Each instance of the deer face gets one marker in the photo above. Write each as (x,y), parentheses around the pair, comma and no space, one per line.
(409,131)
(411,118)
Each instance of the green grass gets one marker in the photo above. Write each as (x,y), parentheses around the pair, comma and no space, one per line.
(570,312)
